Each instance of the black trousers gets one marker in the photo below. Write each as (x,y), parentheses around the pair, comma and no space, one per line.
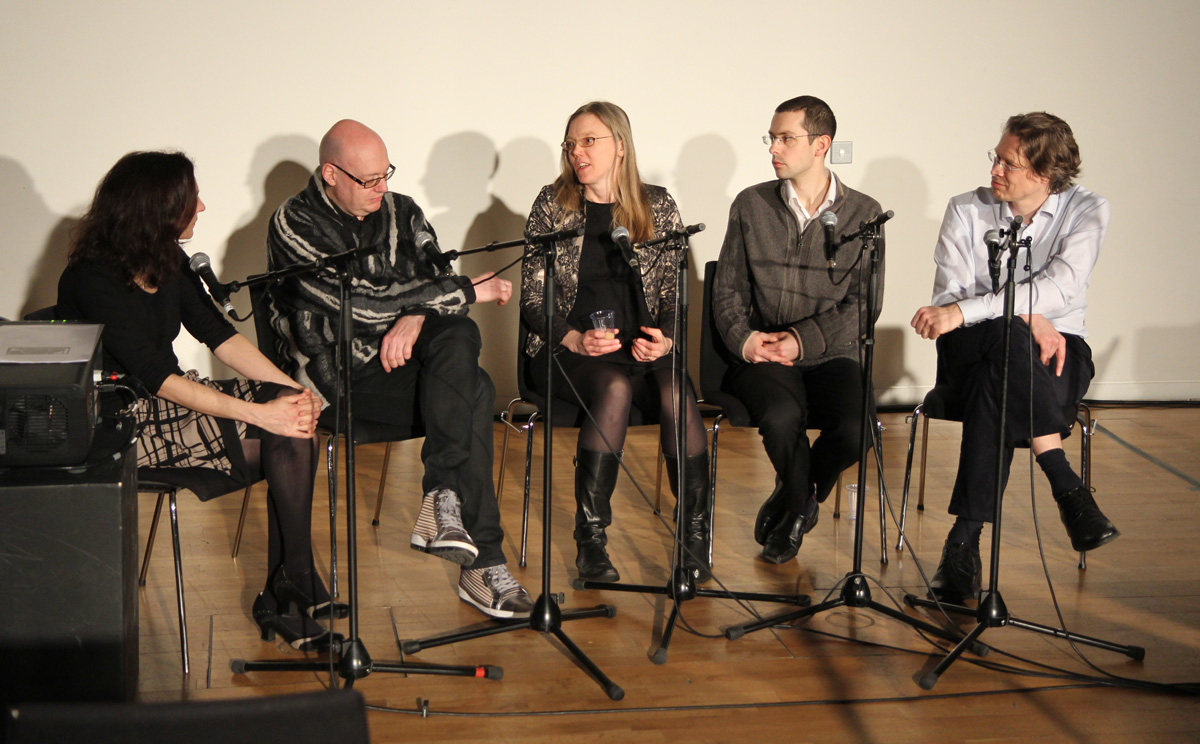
(786,401)
(454,397)
(971,360)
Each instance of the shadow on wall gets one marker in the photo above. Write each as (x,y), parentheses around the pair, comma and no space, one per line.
(279,170)
(36,241)
(897,184)
(467,215)
(703,172)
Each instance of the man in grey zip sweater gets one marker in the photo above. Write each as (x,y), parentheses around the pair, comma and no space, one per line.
(792,324)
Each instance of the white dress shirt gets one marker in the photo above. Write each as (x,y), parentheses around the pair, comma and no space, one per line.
(797,207)
(1068,231)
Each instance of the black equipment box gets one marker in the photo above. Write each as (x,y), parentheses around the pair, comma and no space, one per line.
(48,401)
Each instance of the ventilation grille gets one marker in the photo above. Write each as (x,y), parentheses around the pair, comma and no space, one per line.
(36,424)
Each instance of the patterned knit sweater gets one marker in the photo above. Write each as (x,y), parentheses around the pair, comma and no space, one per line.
(391,279)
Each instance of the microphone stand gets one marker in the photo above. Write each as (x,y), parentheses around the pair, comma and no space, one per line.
(546,616)
(992,611)
(681,586)
(856,592)
(349,658)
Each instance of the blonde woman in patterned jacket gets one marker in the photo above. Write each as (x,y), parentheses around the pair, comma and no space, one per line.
(600,189)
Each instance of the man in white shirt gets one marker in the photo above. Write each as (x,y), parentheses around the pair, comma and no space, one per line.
(1033,169)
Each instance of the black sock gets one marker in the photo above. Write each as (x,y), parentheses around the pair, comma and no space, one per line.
(965,531)
(810,507)
(1058,471)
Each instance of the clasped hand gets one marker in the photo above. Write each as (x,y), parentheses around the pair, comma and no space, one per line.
(601,341)
(779,347)
(293,415)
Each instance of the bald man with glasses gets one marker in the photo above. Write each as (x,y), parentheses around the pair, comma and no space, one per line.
(1032,177)
(414,344)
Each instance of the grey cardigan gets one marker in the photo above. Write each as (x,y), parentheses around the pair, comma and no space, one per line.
(772,277)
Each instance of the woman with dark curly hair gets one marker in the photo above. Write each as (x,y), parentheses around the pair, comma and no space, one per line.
(126,270)
(600,189)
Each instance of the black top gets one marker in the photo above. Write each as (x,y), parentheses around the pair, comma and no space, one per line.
(140,326)
(606,282)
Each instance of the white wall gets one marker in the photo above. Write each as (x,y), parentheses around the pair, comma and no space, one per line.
(455,88)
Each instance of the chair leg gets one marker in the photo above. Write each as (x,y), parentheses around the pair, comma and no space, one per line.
(237,540)
(878,448)
(183,639)
(150,539)
(658,480)
(924,452)
(387,458)
(528,469)
(912,439)
(1087,427)
(506,419)
(837,497)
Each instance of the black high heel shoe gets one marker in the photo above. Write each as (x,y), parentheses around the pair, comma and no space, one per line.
(300,631)
(295,596)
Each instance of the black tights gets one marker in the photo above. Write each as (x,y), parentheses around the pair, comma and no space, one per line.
(289,466)
(609,393)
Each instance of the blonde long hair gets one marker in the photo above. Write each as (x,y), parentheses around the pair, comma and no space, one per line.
(631,207)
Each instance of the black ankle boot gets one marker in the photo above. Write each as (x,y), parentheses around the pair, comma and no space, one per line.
(595,479)
(697,530)
(299,631)
(306,594)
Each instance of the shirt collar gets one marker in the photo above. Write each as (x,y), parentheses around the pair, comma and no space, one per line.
(793,199)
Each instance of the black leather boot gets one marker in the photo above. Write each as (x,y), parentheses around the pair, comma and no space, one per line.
(696,533)
(595,479)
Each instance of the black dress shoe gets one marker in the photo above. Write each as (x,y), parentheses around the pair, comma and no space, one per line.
(300,631)
(958,574)
(784,541)
(1086,525)
(770,514)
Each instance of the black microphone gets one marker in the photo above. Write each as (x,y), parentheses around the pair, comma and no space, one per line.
(620,236)
(878,221)
(200,264)
(683,232)
(428,244)
(865,227)
(994,248)
(552,237)
(829,222)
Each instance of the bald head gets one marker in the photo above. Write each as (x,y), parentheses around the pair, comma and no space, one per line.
(351,148)
(346,136)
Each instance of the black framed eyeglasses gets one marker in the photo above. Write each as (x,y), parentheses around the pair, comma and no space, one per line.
(370,183)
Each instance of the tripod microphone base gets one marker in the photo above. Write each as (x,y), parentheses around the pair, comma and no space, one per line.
(1137,653)
(546,617)
(352,662)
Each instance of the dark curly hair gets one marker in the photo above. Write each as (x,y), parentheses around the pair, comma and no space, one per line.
(1049,146)
(141,207)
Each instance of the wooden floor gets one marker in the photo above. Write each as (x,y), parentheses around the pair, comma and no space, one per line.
(847,675)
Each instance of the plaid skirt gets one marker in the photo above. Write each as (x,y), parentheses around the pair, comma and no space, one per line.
(172,436)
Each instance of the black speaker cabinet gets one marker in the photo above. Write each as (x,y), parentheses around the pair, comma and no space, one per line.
(68,583)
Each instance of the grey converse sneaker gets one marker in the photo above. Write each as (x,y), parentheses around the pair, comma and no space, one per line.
(439,529)
(494,592)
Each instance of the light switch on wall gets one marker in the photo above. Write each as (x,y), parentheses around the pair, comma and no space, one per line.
(841,153)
